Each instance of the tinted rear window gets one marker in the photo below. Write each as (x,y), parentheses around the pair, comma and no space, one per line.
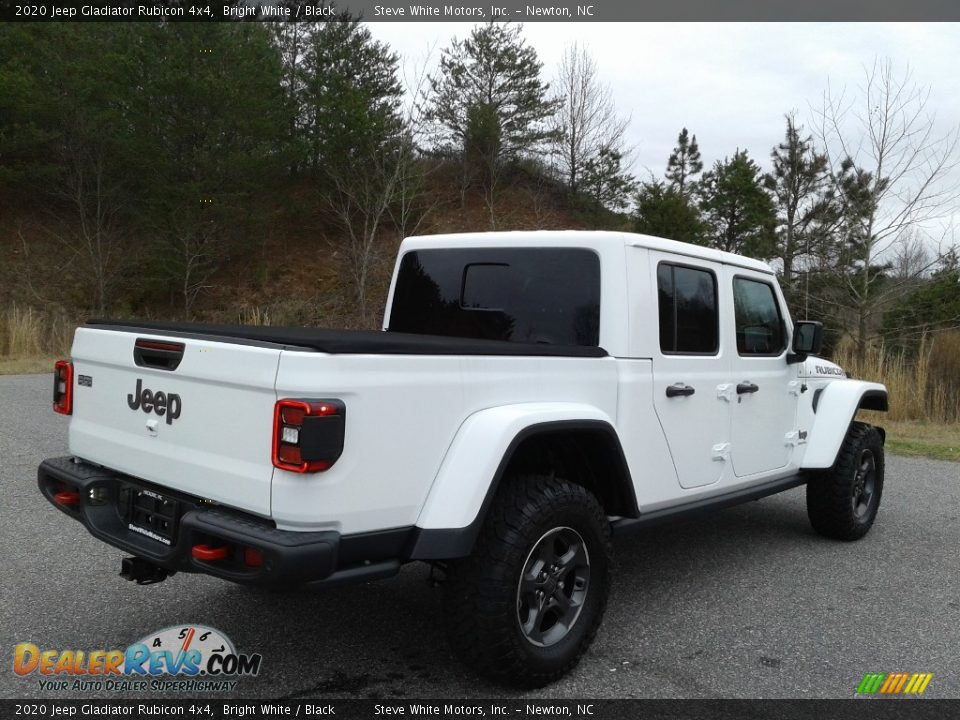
(525,295)
(687,299)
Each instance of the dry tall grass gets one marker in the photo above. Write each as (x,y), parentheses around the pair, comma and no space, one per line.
(27,333)
(925,386)
(255,315)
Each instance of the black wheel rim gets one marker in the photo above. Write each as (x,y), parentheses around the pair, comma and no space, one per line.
(864,484)
(553,586)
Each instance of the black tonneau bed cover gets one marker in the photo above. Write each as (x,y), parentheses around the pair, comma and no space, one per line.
(349,342)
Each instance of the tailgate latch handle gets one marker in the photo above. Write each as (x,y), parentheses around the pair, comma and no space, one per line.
(157,354)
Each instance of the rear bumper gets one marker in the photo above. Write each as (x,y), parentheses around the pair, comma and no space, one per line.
(256,552)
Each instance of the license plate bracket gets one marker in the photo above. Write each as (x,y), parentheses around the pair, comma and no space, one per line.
(150,514)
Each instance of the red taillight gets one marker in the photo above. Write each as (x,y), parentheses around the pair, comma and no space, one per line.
(301,447)
(63,387)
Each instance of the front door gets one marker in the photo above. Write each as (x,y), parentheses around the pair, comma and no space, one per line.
(765,388)
(690,365)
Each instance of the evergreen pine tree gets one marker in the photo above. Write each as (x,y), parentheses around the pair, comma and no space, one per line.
(738,212)
(606,181)
(664,211)
(684,162)
(350,96)
(493,68)
(800,188)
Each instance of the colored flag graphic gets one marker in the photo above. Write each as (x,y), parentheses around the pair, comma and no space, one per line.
(894,683)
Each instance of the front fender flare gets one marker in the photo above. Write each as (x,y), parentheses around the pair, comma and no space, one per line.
(835,407)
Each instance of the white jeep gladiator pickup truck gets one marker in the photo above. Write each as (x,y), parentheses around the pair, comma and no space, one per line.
(530,395)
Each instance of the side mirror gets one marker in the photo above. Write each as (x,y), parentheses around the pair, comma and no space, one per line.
(807,339)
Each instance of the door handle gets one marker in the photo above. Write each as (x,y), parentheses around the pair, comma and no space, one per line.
(679,389)
(746,387)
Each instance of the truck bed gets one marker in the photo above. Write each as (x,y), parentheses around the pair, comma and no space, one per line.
(349,342)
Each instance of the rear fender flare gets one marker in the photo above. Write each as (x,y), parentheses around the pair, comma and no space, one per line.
(475,463)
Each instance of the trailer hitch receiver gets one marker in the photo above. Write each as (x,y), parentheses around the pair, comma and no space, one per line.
(143,572)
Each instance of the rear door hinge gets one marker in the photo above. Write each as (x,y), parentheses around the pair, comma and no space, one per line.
(721,451)
(725,391)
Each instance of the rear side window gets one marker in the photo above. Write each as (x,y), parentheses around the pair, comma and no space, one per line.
(687,303)
(759,323)
(526,295)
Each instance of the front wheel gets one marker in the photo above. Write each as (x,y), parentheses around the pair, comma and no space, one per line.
(842,502)
(524,607)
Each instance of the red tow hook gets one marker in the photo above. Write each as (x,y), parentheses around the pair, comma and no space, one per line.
(70,498)
(210,554)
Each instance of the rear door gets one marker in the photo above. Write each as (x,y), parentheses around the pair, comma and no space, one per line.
(766,387)
(189,414)
(689,365)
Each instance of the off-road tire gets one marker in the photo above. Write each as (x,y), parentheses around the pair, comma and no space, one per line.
(483,603)
(842,502)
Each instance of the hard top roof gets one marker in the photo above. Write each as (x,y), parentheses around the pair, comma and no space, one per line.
(597,239)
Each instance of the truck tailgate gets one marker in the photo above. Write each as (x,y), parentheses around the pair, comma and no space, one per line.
(208,434)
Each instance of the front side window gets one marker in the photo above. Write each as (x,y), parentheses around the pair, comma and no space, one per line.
(760,328)
(687,303)
(526,295)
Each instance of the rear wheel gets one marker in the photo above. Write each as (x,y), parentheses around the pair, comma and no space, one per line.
(842,502)
(525,606)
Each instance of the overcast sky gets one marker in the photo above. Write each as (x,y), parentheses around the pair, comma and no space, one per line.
(729,83)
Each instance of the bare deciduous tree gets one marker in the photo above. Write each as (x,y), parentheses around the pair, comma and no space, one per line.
(587,122)
(412,203)
(360,203)
(911,258)
(893,175)
(90,226)
(195,252)
(386,190)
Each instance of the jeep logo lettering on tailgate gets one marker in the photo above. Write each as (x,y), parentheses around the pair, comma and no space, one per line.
(160,402)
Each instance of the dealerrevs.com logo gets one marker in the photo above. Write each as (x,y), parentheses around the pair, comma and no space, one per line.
(180,658)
